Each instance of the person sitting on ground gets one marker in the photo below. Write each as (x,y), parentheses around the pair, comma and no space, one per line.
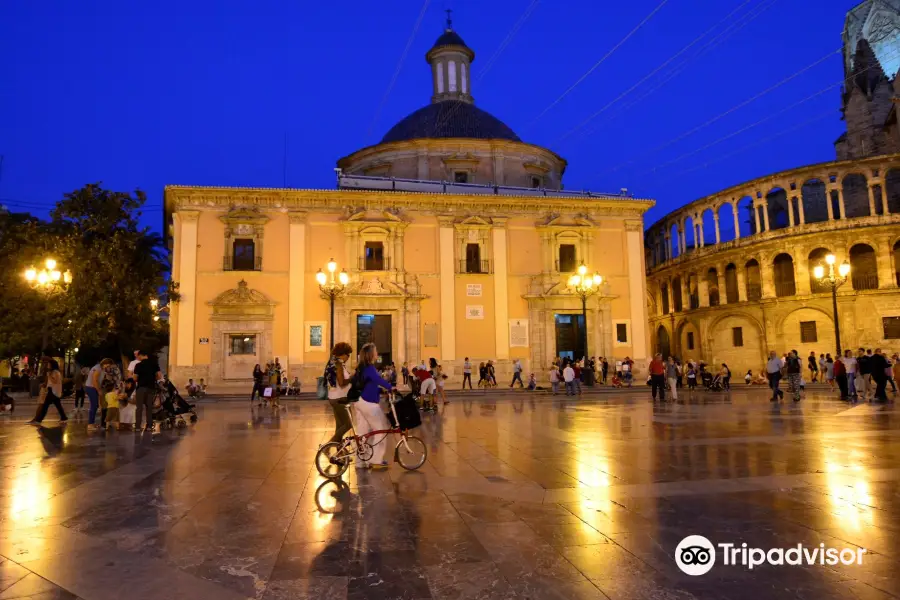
(748,378)
(532,382)
(616,382)
(192,388)
(202,386)
(295,386)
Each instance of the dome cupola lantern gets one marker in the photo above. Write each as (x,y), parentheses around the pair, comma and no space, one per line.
(450,61)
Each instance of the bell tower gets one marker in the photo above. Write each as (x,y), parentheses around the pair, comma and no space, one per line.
(451,61)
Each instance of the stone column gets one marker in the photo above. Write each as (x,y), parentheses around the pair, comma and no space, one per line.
(756,216)
(765,212)
(700,235)
(720,279)
(737,221)
(501,287)
(840,192)
(802,215)
(399,264)
(828,204)
(668,248)
(872,212)
(634,241)
(741,283)
(885,207)
(297,291)
(716,222)
(790,203)
(187,222)
(671,294)
(448,288)
(767,277)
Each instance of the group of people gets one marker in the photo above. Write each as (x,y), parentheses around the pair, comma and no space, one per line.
(271,383)
(669,376)
(863,376)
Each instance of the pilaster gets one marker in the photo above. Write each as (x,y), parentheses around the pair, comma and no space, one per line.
(501,287)
(636,282)
(742,283)
(737,222)
(448,289)
(187,222)
(296,289)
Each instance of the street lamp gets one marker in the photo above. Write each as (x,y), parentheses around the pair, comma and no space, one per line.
(332,288)
(834,281)
(584,287)
(47,280)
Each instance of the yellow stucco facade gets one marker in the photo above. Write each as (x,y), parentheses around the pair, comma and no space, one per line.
(438,275)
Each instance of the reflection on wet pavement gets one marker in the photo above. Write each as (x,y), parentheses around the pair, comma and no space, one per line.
(522,496)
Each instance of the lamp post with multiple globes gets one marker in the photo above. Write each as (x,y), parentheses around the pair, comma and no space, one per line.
(332,286)
(584,287)
(834,280)
(48,280)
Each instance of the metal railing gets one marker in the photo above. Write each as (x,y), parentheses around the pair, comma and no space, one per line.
(865,281)
(785,288)
(732,295)
(695,301)
(714,298)
(477,267)
(754,292)
(370,263)
(232,263)
(818,286)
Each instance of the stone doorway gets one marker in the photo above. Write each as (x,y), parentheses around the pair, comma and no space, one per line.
(569,336)
(376,329)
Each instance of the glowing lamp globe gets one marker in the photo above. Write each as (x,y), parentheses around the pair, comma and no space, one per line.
(321,278)
(30,274)
(844,269)
(819,272)
(830,259)
(332,266)
(582,270)
(51,264)
(343,278)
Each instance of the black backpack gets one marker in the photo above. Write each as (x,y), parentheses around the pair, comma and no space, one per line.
(357,381)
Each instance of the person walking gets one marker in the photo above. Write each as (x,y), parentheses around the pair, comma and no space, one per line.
(657,378)
(438,374)
(337,378)
(53,395)
(491,374)
(726,377)
(569,378)
(78,383)
(554,378)
(773,372)
(829,371)
(821,367)
(812,366)
(517,374)
(889,372)
(673,377)
(147,374)
(604,366)
(467,373)
(369,416)
(895,369)
(92,389)
(258,387)
(878,364)
(862,374)
(840,376)
(851,366)
(794,370)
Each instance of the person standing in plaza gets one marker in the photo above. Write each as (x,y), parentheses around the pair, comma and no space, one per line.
(773,372)
(878,364)
(78,383)
(657,378)
(467,373)
(491,374)
(569,378)
(133,364)
(895,369)
(53,395)
(517,374)
(889,372)
(850,365)
(92,389)
(369,416)
(147,374)
(821,367)
(794,370)
(337,377)
(554,377)
(673,377)
(829,371)
(840,376)
(604,369)
(862,375)
(726,377)
(812,366)
(438,374)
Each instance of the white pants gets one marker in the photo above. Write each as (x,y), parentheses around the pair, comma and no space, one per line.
(126,413)
(369,417)
(428,387)
(672,381)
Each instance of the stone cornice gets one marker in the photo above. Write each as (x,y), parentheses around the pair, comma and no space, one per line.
(181,198)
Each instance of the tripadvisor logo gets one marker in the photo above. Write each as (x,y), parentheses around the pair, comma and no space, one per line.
(696,555)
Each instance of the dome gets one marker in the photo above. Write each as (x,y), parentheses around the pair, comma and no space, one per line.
(449,38)
(450,119)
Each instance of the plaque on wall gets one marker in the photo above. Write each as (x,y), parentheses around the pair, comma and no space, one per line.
(315,336)
(518,333)
(431,335)
(204,341)
(473,289)
(474,311)
(243,229)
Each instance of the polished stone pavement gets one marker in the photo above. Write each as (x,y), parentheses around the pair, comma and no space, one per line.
(523,496)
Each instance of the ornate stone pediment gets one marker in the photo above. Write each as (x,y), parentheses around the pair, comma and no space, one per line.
(246,215)
(386,215)
(536,168)
(557,220)
(475,221)
(242,304)
(377,287)
(461,160)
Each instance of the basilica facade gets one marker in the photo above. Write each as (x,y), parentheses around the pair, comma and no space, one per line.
(457,239)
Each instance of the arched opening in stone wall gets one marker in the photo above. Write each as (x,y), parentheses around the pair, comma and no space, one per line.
(690,241)
(673,241)
(712,284)
(856,196)
(863,267)
(784,275)
(897,262)
(776,201)
(676,295)
(736,340)
(753,280)
(746,220)
(817,257)
(664,298)
(709,227)
(694,291)
(815,201)
(892,189)
(731,284)
(726,222)
(662,342)
(835,204)
(879,205)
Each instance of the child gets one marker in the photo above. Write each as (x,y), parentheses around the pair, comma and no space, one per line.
(111,412)
(191,388)
(748,378)
(692,377)
(295,386)
(616,382)
(201,391)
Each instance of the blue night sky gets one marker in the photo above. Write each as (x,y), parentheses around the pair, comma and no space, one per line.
(140,95)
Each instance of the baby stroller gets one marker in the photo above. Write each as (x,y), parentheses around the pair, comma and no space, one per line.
(172,410)
(713,384)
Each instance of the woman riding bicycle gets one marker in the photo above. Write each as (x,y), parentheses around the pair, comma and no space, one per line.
(369,416)
(337,376)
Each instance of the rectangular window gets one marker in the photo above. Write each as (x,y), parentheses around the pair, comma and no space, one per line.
(566,258)
(243,344)
(808,332)
(244,257)
(451,74)
(622,333)
(690,340)
(473,258)
(891,328)
(374,256)
(461,177)
(737,337)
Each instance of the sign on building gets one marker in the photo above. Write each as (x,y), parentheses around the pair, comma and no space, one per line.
(473,289)
(474,311)
(204,341)
(431,335)
(518,333)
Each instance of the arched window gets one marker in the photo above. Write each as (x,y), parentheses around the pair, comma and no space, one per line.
(776,200)
(673,241)
(856,196)
(676,294)
(817,257)
(897,261)
(664,295)
(784,275)
(863,267)
(690,241)
(731,284)
(814,194)
(892,189)
(726,222)
(662,342)
(754,282)
(694,291)
(712,283)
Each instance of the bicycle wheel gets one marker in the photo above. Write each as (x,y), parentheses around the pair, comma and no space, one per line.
(332,460)
(411,453)
(333,497)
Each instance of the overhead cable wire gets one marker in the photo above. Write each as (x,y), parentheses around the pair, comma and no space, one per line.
(600,62)
(650,74)
(409,42)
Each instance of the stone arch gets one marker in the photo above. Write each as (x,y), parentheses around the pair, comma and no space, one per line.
(892,189)
(788,331)
(677,296)
(720,345)
(779,323)
(863,267)
(709,226)
(674,245)
(690,241)
(726,222)
(814,195)
(777,207)
(783,269)
(683,341)
(712,286)
(753,280)
(746,220)
(732,293)
(693,285)
(856,195)
(817,257)
(896,257)
(663,344)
